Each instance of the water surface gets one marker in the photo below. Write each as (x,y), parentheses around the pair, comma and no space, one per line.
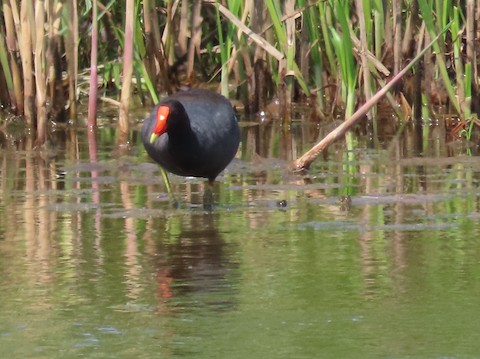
(95,262)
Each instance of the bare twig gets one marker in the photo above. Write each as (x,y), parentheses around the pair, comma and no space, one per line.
(260,41)
(306,160)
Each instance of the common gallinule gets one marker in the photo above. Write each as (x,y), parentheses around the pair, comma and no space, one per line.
(192,133)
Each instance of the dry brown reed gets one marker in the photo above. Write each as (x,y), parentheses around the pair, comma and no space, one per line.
(256,50)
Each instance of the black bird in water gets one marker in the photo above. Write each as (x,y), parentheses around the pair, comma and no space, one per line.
(192,133)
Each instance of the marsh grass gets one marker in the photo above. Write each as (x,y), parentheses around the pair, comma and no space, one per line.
(339,52)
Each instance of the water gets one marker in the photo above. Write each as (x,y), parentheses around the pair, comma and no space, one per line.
(96,263)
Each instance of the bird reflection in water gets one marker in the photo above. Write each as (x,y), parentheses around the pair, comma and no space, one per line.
(197,267)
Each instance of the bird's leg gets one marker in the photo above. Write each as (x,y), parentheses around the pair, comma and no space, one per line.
(173,200)
(208,196)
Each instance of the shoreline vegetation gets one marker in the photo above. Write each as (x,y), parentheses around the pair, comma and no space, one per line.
(333,55)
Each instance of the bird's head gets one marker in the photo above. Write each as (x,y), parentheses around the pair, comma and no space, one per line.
(160,122)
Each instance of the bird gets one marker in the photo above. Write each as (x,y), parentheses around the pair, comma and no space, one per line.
(192,133)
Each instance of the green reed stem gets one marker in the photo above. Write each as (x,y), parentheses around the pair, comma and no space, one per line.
(224,54)
(326,23)
(343,46)
(275,13)
(6,66)
(312,23)
(457,56)
(426,12)
(468,93)
(379,24)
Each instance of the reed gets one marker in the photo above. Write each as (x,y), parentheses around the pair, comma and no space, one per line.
(348,68)
(457,60)
(379,26)
(9,60)
(287,67)
(40,75)
(127,74)
(312,53)
(363,9)
(72,39)
(195,39)
(92,98)
(25,45)
(225,51)
(427,13)
(340,51)
(7,73)
(471,51)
